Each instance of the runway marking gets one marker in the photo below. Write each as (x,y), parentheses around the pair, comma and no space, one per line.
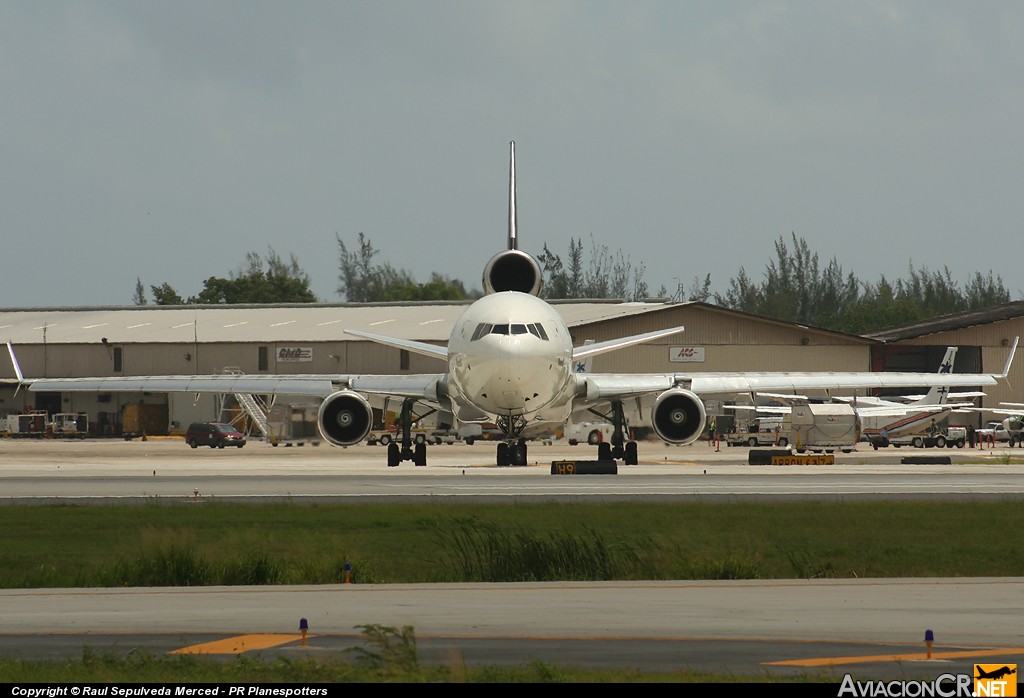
(913,657)
(239,644)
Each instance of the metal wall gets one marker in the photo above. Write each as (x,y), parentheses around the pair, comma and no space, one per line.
(993,341)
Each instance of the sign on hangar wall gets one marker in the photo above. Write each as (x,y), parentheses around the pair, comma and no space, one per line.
(294,354)
(686,354)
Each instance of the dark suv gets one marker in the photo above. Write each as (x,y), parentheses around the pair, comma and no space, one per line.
(214,435)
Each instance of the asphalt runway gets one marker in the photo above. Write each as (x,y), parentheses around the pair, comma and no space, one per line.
(873,629)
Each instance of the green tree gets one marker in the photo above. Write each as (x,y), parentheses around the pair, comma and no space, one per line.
(139,297)
(164,294)
(608,275)
(269,280)
(361,280)
(796,289)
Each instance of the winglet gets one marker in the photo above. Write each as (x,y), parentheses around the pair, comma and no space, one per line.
(513,243)
(14,361)
(17,368)
(1009,359)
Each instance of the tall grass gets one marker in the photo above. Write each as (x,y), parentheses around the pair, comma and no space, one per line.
(484,551)
(69,546)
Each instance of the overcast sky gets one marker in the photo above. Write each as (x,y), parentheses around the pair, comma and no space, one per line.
(165,140)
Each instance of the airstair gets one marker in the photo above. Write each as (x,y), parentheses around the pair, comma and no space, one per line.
(256,411)
(253,406)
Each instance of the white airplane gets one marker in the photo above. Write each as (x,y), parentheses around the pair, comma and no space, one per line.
(510,361)
(883,420)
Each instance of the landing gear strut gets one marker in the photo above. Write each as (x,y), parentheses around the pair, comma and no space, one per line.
(512,450)
(619,448)
(414,449)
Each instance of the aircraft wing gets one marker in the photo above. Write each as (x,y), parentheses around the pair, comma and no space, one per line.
(608,386)
(416,386)
(434,350)
(594,348)
(722,383)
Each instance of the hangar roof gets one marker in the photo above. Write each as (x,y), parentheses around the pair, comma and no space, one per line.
(954,321)
(428,321)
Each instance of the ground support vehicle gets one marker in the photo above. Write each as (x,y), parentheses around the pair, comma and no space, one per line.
(1009,430)
(27,425)
(824,427)
(763,431)
(292,424)
(69,425)
(591,433)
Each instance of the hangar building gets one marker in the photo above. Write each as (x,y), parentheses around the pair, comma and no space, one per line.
(310,338)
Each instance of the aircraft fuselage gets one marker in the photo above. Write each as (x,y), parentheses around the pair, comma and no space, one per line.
(510,354)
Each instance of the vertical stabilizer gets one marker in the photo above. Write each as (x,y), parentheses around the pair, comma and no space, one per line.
(512,269)
(938,393)
(513,244)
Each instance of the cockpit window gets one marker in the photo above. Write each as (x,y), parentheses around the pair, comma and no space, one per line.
(485,328)
(482,329)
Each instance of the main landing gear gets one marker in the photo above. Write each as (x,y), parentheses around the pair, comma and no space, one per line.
(619,448)
(410,449)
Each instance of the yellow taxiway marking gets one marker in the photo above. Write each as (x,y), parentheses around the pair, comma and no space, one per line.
(239,644)
(914,657)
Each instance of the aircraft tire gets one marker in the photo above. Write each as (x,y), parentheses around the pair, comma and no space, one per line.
(394,455)
(502,454)
(420,456)
(517,454)
(631,457)
(604,451)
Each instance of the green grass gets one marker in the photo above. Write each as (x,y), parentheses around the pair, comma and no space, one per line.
(214,543)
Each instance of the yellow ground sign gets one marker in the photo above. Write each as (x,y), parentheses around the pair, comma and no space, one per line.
(817,459)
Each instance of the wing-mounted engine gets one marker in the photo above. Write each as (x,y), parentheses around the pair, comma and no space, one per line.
(678,416)
(513,270)
(345,418)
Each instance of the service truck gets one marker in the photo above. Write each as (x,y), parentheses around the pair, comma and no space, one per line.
(70,425)
(761,431)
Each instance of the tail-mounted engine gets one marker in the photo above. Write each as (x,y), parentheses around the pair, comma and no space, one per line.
(345,418)
(513,270)
(678,416)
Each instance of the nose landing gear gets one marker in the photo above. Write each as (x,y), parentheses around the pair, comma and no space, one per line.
(512,450)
